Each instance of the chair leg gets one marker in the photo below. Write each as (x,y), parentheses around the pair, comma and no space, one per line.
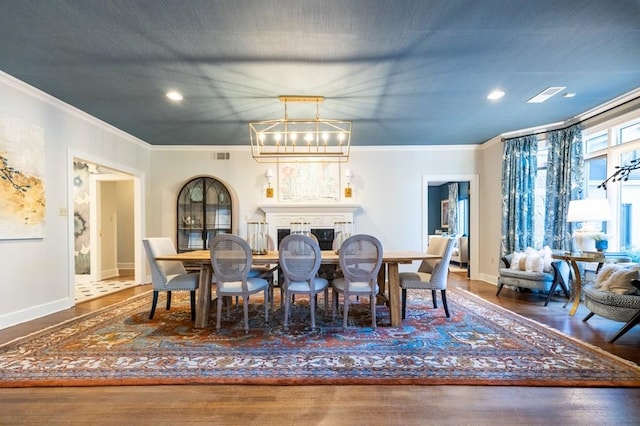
(404,303)
(628,326)
(373,311)
(345,312)
(154,302)
(286,312)
(589,315)
(168,300)
(435,299)
(443,292)
(267,304)
(246,313)
(334,303)
(193,305)
(219,318)
(499,288)
(312,308)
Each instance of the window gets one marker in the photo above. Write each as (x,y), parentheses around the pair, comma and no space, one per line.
(609,146)
(540,194)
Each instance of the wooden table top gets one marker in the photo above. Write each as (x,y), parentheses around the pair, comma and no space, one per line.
(328,257)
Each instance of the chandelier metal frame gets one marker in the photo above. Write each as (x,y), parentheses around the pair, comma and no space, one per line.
(300,140)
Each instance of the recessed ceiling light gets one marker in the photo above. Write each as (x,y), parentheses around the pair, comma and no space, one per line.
(568,95)
(496,94)
(174,96)
(545,94)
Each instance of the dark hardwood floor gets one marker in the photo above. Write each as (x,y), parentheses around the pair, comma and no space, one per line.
(341,405)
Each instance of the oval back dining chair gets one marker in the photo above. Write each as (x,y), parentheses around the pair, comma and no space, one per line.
(168,275)
(360,260)
(436,280)
(300,259)
(231,261)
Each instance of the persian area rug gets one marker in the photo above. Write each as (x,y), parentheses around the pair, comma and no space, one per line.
(482,344)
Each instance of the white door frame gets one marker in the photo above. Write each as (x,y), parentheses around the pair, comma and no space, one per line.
(474,209)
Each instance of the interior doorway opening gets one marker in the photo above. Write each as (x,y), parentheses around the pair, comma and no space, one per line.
(106,205)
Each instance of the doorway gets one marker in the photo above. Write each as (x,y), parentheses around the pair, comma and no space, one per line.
(106,225)
(473,213)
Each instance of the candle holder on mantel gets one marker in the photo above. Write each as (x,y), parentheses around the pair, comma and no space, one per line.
(258,237)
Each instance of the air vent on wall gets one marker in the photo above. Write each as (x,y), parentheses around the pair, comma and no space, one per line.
(545,94)
(222,156)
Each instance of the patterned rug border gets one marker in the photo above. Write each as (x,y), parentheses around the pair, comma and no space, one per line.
(555,382)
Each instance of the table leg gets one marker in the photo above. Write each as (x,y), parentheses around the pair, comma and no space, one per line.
(394,294)
(577,287)
(382,277)
(203,301)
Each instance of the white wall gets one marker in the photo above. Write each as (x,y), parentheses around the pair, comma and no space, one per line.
(37,275)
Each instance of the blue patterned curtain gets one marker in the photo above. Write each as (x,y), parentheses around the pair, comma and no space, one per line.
(453,208)
(519,168)
(565,182)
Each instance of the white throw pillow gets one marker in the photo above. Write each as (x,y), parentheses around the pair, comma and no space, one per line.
(605,273)
(620,281)
(515,260)
(534,263)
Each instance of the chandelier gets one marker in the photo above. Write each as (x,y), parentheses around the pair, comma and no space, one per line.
(300,140)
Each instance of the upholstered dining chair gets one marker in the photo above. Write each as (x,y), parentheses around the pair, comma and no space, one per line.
(436,280)
(300,259)
(168,275)
(231,261)
(360,259)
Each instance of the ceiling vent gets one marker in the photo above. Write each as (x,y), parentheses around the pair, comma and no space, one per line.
(545,94)
(222,156)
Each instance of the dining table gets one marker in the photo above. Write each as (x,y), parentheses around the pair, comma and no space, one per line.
(389,275)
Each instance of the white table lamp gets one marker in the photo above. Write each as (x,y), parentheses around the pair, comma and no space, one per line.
(591,212)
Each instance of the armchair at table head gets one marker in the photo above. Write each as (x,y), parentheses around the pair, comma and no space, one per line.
(360,260)
(436,280)
(167,275)
(231,261)
(300,259)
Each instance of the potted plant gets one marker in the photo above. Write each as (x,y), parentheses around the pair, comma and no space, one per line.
(602,242)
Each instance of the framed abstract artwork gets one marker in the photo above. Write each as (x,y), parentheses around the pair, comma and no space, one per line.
(315,182)
(22,205)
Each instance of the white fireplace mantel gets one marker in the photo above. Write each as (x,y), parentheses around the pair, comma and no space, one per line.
(319,215)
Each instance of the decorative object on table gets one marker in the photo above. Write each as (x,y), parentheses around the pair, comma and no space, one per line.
(602,241)
(306,139)
(589,213)
(258,237)
(341,231)
(480,340)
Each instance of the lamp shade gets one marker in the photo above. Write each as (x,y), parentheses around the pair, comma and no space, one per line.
(589,210)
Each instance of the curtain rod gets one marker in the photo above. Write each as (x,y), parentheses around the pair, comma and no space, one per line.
(576,122)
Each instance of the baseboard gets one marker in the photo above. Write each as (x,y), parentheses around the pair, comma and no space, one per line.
(34,312)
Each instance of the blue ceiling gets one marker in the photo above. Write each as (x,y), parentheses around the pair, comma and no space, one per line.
(407,72)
